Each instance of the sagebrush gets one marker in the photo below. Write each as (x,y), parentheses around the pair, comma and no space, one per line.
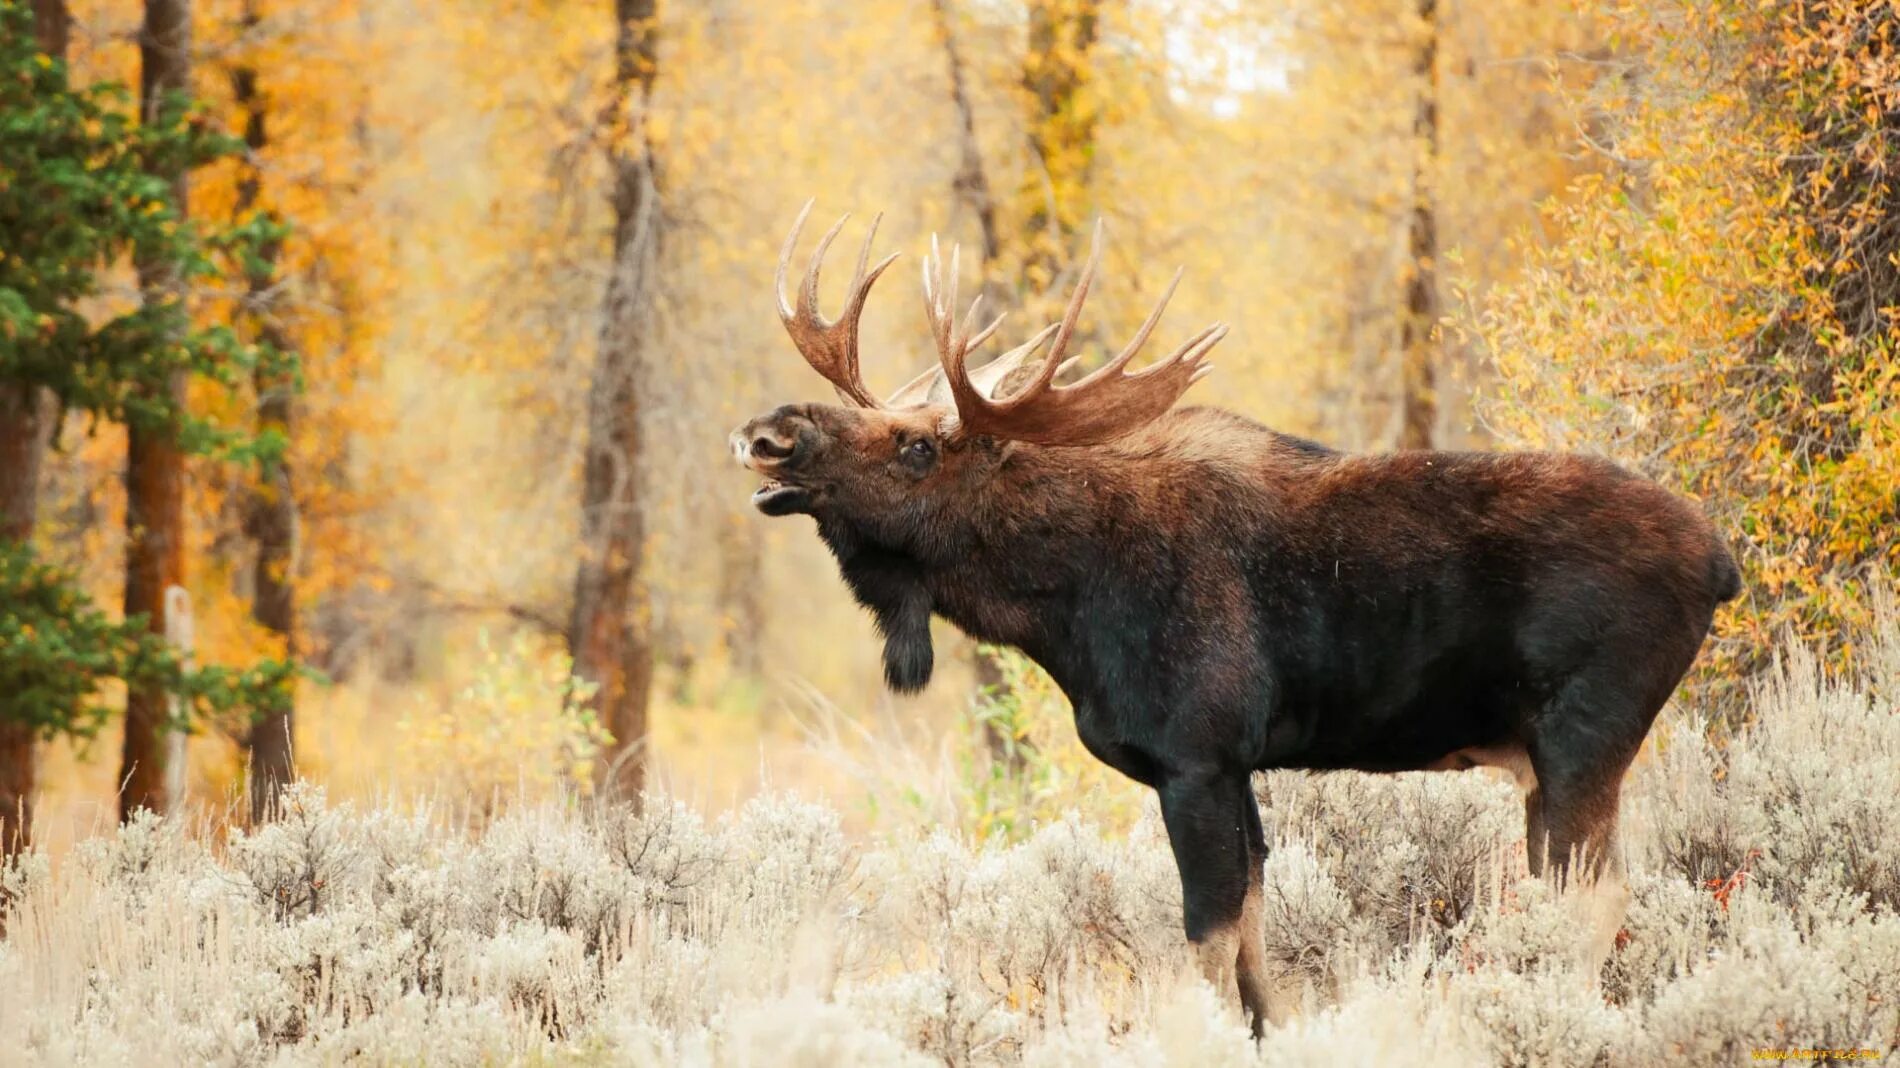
(1764,874)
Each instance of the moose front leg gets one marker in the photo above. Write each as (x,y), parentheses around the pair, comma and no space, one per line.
(1214,829)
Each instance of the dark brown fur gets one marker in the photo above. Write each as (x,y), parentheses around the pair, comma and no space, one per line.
(1216,598)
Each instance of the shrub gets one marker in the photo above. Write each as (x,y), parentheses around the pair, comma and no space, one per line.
(1396,906)
(1805,792)
(521,725)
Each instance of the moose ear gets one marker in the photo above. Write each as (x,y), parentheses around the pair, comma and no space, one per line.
(931,387)
(998,379)
(1005,376)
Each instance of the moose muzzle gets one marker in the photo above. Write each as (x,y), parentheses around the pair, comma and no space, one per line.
(769,447)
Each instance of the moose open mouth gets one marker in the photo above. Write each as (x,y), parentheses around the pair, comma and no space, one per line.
(779,498)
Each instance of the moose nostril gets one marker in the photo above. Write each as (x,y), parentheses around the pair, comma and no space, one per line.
(771,448)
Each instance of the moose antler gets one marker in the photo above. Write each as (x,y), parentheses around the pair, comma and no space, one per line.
(1101,407)
(830,346)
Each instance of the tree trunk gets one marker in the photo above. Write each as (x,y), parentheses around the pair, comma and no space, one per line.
(1418,381)
(26,418)
(154,469)
(52,24)
(971,185)
(608,635)
(271,518)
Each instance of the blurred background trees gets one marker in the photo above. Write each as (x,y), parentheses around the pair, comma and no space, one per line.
(522,252)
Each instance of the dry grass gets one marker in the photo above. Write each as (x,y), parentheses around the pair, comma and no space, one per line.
(1765,874)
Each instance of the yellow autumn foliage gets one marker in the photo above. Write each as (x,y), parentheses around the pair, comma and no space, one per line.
(518,727)
(1719,309)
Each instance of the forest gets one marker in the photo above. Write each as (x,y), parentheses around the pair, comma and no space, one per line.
(392,663)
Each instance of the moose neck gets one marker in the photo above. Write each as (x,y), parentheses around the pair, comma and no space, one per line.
(1003,560)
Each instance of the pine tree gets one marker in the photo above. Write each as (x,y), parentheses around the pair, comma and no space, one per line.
(78,193)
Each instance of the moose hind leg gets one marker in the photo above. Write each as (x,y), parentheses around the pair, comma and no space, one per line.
(1570,836)
(1606,901)
(1582,747)
(1206,815)
(1258,983)
(1570,824)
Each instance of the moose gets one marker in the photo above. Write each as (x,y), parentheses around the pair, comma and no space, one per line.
(1215,598)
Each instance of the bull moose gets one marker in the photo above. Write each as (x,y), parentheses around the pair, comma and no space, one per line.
(1216,598)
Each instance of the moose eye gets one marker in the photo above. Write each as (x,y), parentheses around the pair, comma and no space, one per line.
(919,456)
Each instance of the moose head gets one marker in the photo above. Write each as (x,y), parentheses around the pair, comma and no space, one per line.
(895,465)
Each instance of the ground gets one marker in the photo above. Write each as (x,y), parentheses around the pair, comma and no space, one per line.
(1764,873)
